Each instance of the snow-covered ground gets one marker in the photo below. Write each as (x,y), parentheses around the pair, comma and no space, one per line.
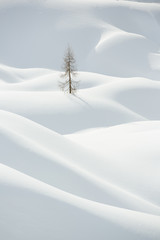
(86,166)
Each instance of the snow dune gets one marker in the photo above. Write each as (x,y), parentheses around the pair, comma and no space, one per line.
(47,210)
(35,145)
(84,166)
(101,101)
(36,151)
(118,166)
(105,35)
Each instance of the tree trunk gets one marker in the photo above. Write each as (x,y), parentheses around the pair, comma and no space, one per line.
(70,82)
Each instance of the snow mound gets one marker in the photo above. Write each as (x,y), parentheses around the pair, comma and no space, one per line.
(35,168)
(130,152)
(84,166)
(101,100)
(47,210)
(108,37)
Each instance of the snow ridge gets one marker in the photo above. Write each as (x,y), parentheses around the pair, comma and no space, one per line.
(84,166)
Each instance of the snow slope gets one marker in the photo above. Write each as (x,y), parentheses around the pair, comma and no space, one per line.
(84,166)
(55,179)
(102,100)
(96,175)
(117,38)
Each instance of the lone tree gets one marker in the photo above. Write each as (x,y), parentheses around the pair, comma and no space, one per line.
(69,85)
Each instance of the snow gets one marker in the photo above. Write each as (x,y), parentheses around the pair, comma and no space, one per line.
(115,29)
(84,166)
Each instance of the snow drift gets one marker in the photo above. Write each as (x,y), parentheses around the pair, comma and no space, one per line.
(84,166)
(52,184)
(109,37)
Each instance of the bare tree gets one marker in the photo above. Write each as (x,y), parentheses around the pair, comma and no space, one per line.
(69,85)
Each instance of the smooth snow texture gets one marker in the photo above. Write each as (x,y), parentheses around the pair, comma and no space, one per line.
(115,38)
(61,209)
(100,175)
(101,101)
(85,166)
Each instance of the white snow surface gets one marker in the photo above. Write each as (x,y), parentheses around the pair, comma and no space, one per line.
(85,166)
